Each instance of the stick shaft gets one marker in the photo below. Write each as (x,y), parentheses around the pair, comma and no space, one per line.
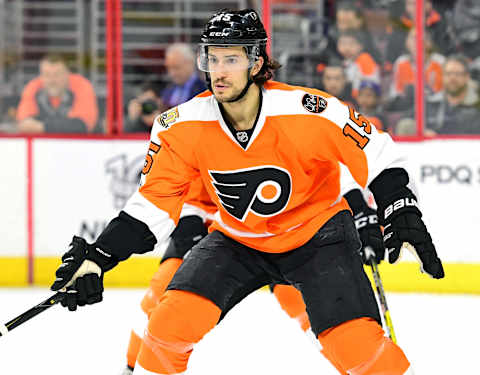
(29,314)
(383,300)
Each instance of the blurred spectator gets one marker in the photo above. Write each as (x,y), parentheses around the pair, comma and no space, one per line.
(334,82)
(398,31)
(368,100)
(57,101)
(143,109)
(349,17)
(359,65)
(466,27)
(402,86)
(456,110)
(185,82)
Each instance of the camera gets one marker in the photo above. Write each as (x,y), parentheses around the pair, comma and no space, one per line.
(149,106)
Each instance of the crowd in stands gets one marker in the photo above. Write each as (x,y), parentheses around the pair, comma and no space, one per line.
(368,61)
(379,63)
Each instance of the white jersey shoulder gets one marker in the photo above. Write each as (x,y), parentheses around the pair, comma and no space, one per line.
(297,100)
(198,109)
(301,101)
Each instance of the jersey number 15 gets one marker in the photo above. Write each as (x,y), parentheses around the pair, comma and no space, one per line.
(357,120)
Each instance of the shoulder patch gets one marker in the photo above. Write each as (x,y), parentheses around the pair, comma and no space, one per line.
(314,103)
(168,118)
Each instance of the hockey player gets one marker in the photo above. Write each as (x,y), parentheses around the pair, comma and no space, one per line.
(269,155)
(191,229)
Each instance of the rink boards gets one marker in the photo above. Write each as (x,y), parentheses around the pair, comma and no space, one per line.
(52,188)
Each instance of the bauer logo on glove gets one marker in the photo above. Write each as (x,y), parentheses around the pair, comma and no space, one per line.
(399,204)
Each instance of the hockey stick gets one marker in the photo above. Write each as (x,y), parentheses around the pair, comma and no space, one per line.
(381,294)
(29,314)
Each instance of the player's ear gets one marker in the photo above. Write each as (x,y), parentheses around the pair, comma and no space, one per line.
(258,65)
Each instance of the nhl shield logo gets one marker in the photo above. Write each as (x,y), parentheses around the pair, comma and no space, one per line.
(314,103)
(242,137)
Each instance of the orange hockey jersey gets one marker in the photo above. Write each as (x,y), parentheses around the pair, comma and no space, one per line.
(274,193)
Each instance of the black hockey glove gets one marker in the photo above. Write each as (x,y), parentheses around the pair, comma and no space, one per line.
(366,222)
(403,226)
(80,275)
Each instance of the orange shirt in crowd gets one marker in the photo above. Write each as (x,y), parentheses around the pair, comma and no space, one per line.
(84,105)
(404,73)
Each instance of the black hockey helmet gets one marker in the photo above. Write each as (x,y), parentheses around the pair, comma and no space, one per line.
(232,27)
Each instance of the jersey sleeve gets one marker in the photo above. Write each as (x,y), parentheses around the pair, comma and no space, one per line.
(349,138)
(168,171)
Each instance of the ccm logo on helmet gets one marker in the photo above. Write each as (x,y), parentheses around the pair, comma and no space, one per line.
(218,33)
(264,191)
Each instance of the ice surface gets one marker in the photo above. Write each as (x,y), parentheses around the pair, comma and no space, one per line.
(439,334)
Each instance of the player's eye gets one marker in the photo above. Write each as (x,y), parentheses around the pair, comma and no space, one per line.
(212,60)
(232,60)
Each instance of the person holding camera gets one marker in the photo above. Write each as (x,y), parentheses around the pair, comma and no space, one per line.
(184,85)
(143,109)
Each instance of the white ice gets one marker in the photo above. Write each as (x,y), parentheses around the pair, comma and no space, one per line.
(439,334)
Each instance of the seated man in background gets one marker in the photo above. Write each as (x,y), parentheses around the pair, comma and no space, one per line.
(185,82)
(57,101)
(334,81)
(455,110)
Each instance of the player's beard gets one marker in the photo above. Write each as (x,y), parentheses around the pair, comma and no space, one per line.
(223,98)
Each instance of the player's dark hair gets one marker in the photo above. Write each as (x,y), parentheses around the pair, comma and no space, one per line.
(267,71)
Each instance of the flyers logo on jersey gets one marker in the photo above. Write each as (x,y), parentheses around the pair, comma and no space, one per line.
(264,190)
(314,103)
(166,119)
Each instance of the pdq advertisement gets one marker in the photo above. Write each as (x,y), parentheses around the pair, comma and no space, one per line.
(447,178)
